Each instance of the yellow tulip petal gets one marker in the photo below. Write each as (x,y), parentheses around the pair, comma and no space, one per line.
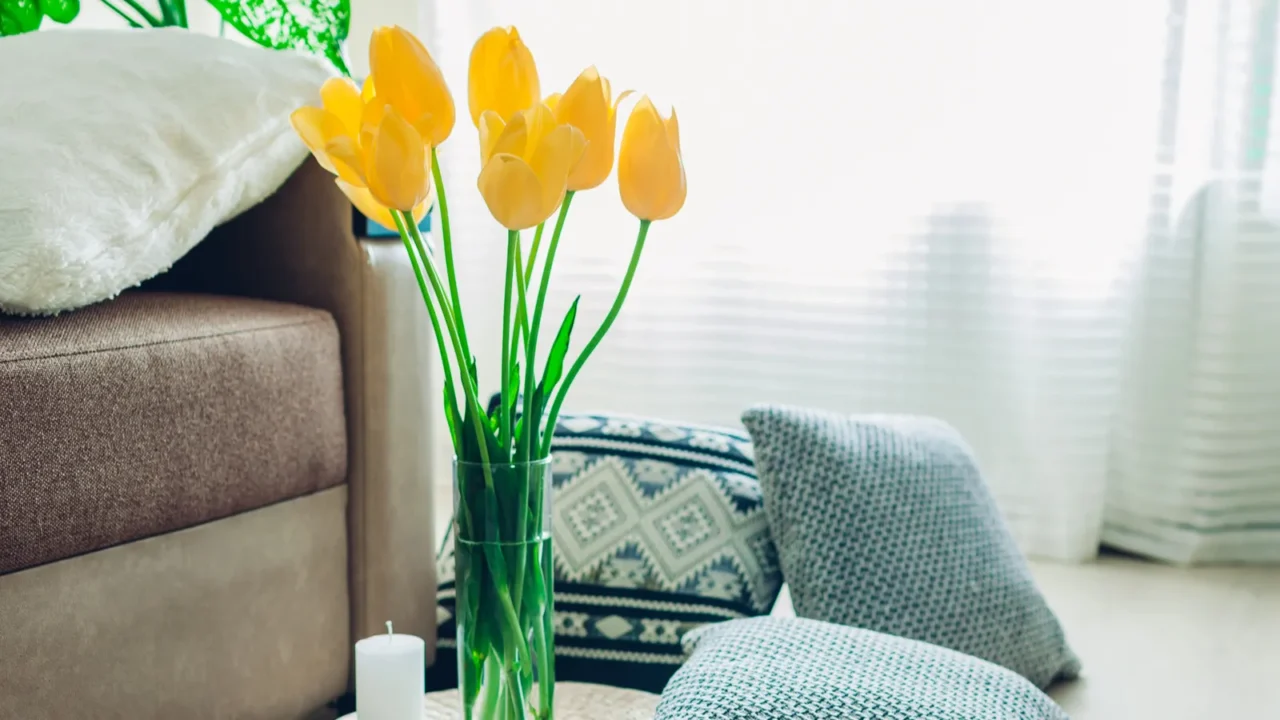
(673,130)
(587,106)
(367,91)
(555,156)
(622,96)
(397,164)
(511,190)
(551,101)
(409,80)
(651,177)
(514,138)
(317,127)
(371,118)
(341,98)
(541,122)
(491,127)
(347,160)
(501,75)
(363,201)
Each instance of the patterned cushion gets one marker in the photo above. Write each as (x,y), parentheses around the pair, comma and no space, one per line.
(658,528)
(786,668)
(884,523)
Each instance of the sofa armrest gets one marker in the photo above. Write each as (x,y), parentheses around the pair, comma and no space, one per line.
(298,246)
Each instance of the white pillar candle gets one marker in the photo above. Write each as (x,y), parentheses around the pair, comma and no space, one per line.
(390,677)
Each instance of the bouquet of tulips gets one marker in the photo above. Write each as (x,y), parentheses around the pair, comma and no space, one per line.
(381,142)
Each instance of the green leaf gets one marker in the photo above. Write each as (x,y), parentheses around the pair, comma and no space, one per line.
(555,359)
(60,11)
(19,16)
(513,392)
(451,414)
(315,26)
(554,369)
(470,443)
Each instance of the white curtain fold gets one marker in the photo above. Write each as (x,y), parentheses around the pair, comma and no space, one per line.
(1042,222)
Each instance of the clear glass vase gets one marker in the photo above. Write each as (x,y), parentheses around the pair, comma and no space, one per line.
(502,541)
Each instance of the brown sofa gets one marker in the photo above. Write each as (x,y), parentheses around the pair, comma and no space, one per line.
(210,487)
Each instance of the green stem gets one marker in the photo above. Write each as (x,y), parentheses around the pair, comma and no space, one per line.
(528,431)
(522,312)
(127,18)
(546,663)
(532,349)
(446,241)
(431,310)
(150,19)
(513,237)
(533,252)
(180,9)
(468,384)
(595,339)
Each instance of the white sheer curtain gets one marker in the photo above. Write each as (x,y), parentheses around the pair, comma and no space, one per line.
(965,208)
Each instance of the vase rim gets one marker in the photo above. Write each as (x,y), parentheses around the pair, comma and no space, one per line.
(528,463)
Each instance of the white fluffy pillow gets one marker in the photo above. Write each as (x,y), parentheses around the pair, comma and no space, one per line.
(122,149)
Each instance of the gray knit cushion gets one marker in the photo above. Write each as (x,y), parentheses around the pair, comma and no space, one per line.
(884,523)
(791,669)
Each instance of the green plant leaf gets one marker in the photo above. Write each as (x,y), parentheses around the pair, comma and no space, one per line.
(60,11)
(555,359)
(554,369)
(19,16)
(451,415)
(316,26)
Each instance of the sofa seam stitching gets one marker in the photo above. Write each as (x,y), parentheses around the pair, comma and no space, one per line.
(157,343)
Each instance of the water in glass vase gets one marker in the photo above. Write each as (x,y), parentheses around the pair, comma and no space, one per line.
(506,657)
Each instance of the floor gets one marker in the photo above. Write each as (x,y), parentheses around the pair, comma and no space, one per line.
(1168,643)
(1165,643)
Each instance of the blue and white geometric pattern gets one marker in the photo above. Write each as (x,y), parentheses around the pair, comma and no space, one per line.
(658,529)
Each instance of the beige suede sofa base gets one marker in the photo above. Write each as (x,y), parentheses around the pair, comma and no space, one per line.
(250,610)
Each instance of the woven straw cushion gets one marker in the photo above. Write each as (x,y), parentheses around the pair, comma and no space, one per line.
(574,701)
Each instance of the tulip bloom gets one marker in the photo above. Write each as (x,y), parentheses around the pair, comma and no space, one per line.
(650,168)
(405,77)
(589,105)
(371,149)
(526,165)
(502,76)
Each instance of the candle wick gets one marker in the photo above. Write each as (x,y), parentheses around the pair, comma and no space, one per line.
(389,632)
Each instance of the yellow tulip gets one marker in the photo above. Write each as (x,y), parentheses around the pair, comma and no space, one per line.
(380,160)
(363,200)
(397,164)
(526,165)
(502,76)
(650,168)
(589,105)
(406,78)
(337,118)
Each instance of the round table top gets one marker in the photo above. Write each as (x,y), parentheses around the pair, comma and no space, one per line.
(574,701)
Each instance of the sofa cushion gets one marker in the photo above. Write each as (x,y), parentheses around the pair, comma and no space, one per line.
(156,412)
(885,523)
(658,528)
